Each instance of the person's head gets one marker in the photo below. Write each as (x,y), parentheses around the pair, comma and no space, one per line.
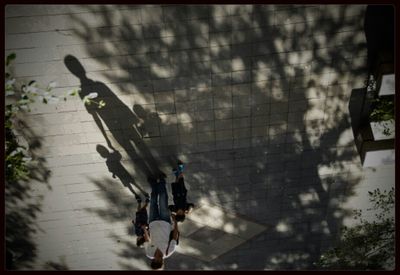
(74,66)
(140,241)
(102,151)
(158,260)
(140,111)
(180,215)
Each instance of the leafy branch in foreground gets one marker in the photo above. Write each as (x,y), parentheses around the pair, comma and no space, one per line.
(19,100)
(370,245)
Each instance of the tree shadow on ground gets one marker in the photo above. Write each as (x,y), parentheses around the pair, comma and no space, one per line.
(254,97)
(22,206)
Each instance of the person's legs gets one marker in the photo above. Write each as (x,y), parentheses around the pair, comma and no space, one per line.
(181,185)
(165,214)
(154,212)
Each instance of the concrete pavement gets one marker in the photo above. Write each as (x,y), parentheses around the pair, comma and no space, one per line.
(253,98)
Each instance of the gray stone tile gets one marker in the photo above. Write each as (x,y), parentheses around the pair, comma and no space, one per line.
(206,137)
(204,104)
(241,101)
(220,103)
(223,124)
(277,118)
(241,133)
(218,52)
(241,112)
(165,108)
(220,24)
(151,15)
(261,109)
(223,135)
(205,147)
(241,123)
(164,97)
(225,113)
(204,115)
(168,130)
(241,77)
(221,79)
(242,143)
(224,144)
(260,131)
(205,126)
(279,107)
(220,38)
(259,120)
(174,13)
(242,50)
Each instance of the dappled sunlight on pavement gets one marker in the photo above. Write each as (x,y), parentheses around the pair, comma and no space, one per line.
(252,98)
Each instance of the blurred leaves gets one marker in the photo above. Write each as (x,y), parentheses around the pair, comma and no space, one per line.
(370,245)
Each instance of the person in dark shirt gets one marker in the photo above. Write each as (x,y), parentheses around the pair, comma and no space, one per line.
(180,207)
(141,221)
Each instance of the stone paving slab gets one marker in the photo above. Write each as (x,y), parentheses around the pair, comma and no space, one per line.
(236,231)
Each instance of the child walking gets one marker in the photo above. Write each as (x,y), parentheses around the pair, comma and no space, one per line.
(181,207)
(141,223)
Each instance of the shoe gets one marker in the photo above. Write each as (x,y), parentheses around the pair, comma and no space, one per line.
(147,198)
(179,170)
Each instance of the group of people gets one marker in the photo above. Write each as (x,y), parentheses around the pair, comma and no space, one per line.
(158,232)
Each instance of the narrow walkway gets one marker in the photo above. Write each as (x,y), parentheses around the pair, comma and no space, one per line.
(253,98)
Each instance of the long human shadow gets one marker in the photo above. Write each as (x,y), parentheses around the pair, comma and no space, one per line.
(113,162)
(152,126)
(119,119)
(283,163)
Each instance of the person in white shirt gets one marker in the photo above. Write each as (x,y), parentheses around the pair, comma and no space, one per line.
(161,237)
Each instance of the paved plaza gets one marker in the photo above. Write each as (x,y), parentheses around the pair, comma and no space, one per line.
(252,98)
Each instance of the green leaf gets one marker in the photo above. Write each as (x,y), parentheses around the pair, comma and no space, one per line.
(10,57)
(102,104)
(73,93)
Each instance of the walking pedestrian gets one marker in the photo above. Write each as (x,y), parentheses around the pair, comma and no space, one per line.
(141,221)
(162,236)
(180,207)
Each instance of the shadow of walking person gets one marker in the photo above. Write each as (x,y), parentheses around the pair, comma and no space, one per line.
(113,161)
(117,117)
(150,126)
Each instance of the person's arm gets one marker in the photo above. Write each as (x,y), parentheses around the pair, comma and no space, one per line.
(171,208)
(175,231)
(146,234)
(100,125)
